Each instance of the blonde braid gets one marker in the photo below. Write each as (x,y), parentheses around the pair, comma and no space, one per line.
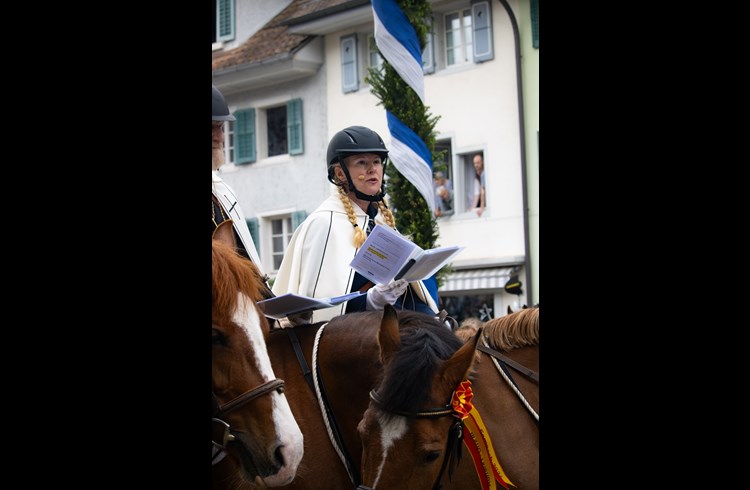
(359,234)
(387,213)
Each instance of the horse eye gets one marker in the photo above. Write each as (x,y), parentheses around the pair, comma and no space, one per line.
(431,456)
(217,338)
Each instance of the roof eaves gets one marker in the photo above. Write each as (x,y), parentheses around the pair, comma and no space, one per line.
(324,12)
(246,66)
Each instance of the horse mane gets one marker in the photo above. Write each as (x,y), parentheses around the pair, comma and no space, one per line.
(407,378)
(519,329)
(231,273)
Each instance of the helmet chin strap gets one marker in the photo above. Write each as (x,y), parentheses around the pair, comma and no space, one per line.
(360,195)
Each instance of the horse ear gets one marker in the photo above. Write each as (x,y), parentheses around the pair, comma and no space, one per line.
(225,234)
(457,368)
(389,337)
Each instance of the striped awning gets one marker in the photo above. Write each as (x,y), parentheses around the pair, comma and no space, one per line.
(472,279)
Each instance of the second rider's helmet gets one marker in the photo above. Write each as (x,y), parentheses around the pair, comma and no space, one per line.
(219,108)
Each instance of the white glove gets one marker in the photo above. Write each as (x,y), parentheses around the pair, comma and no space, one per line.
(380,295)
(296,319)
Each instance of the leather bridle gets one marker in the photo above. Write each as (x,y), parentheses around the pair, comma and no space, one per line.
(456,431)
(221,429)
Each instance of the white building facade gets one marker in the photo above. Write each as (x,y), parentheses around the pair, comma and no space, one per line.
(298,78)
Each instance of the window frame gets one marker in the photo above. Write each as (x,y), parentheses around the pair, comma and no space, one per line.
(229,141)
(466,175)
(286,235)
(463,13)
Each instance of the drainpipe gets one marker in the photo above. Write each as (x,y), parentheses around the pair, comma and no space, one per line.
(522,134)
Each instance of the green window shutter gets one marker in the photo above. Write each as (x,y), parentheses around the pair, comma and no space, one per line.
(294,134)
(225,20)
(428,55)
(252,225)
(244,136)
(297,218)
(481,19)
(535,23)
(349,77)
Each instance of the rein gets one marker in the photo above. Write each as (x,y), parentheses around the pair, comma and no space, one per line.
(495,355)
(510,362)
(318,390)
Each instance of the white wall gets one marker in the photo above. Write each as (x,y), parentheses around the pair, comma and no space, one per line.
(477,105)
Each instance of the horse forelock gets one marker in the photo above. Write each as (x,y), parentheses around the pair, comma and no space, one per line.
(513,331)
(231,273)
(425,342)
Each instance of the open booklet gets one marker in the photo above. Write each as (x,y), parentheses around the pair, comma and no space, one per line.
(289,304)
(386,255)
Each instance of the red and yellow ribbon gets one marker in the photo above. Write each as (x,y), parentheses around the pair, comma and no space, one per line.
(477,439)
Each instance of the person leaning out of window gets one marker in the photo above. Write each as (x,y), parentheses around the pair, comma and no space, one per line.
(480,196)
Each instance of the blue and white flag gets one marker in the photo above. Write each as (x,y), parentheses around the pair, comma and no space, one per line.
(397,40)
(411,157)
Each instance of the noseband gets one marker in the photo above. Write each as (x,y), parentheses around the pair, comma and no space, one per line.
(221,429)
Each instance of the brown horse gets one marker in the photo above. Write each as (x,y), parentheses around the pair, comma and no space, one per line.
(347,366)
(410,431)
(255,439)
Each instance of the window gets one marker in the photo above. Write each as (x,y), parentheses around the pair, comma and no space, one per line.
(443,179)
(479,306)
(223,21)
(229,142)
(428,55)
(282,228)
(445,163)
(458,37)
(349,60)
(471,183)
(278,131)
(276,123)
(375,60)
(281,233)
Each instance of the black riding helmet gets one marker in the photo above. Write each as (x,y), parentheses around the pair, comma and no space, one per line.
(219,108)
(353,141)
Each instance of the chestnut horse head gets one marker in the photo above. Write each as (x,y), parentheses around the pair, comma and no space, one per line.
(428,408)
(255,438)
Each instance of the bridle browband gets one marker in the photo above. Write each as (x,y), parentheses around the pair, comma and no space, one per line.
(223,428)
(428,413)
